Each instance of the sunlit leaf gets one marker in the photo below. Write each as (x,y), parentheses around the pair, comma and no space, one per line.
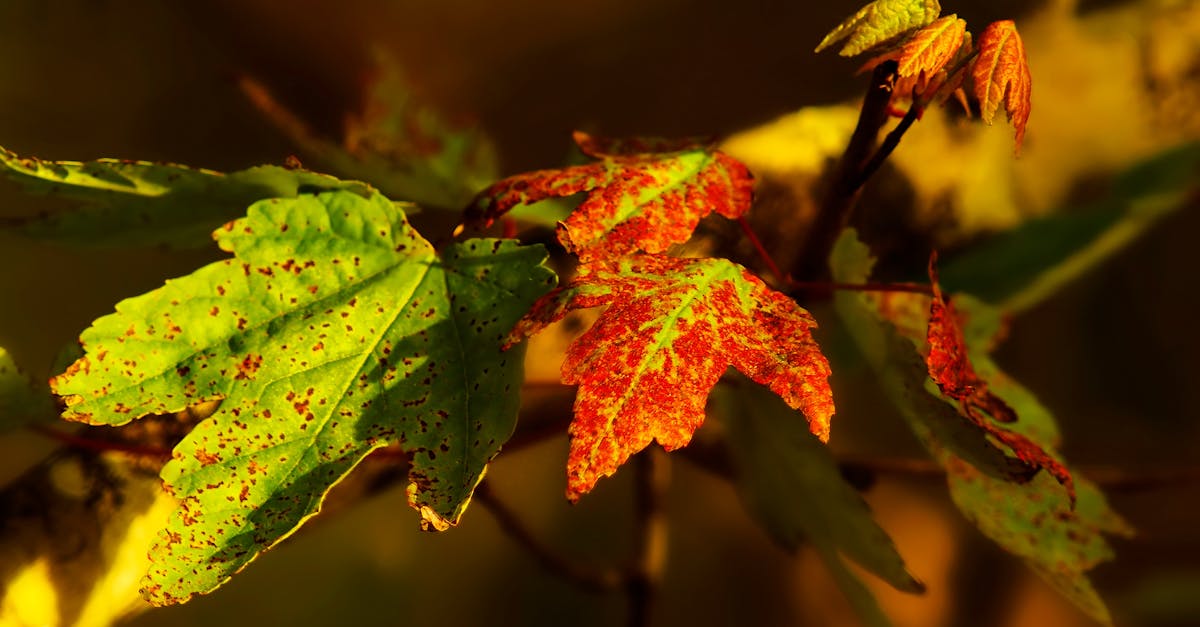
(669,330)
(334,331)
(880,22)
(1001,74)
(138,203)
(636,200)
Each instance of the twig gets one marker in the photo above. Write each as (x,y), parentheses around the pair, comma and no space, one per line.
(839,200)
(650,518)
(762,252)
(590,579)
(829,286)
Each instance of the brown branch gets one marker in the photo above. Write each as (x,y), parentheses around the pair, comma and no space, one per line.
(590,579)
(838,203)
(650,519)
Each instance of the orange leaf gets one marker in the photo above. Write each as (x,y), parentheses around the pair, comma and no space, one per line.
(951,369)
(929,49)
(643,194)
(671,328)
(1001,72)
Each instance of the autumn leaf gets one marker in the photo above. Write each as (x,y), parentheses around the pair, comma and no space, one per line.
(902,372)
(141,203)
(950,368)
(1001,73)
(1058,537)
(636,200)
(929,49)
(671,328)
(335,330)
(880,22)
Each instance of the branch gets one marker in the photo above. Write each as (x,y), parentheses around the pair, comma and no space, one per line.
(650,552)
(842,193)
(590,579)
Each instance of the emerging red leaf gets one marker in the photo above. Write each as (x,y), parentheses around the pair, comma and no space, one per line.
(642,194)
(951,369)
(671,328)
(1001,72)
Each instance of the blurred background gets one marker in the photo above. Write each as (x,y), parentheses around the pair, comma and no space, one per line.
(1113,355)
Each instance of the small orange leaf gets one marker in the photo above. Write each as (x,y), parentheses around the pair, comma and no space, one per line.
(929,49)
(1001,72)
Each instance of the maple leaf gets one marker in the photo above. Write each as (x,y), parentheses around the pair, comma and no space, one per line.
(929,49)
(637,200)
(151,204)
(1001,73)
(334,331)
(671,328)
(880,22)
(950,368)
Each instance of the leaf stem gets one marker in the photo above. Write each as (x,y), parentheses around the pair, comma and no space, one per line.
(99,446)
(762,252)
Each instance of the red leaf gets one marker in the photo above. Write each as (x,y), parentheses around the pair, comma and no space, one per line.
(951,369)
(1001,72)
(671,328)
(643,194)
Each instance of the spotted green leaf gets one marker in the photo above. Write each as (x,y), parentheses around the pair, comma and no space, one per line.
(902,371)
(794,488)
(334,330)
(138,203)
(880,22)
(1034,520)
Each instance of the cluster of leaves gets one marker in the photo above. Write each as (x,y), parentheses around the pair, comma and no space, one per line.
(335,330)
(936,55)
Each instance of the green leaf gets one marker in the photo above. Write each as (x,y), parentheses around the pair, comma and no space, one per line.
(1024,266)
(792,486)
(880,22)
(138,203)
(21,400)
(405,147)
(1034,521)
(902,371)
(334,331)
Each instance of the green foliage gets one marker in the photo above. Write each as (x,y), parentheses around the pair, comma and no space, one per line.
(880,22)
(137,203)
(1022,267)
(1060,540)
(792,485)
(335,330)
